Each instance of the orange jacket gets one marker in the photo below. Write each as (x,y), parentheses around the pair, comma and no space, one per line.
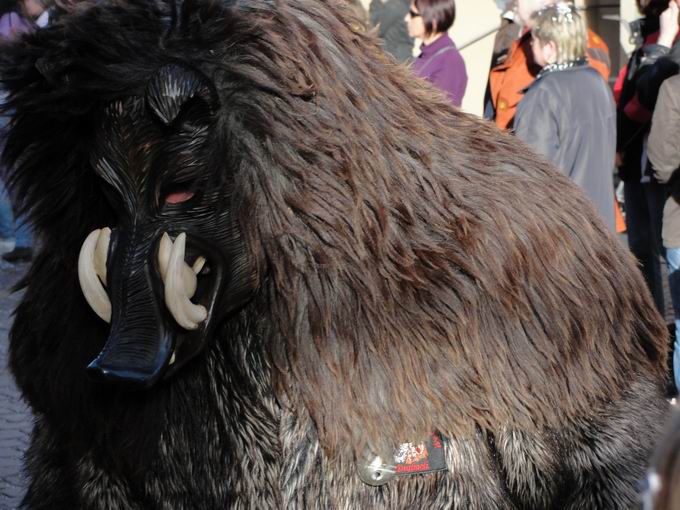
(508,79)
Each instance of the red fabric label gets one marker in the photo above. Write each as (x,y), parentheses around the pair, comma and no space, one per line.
(425,457)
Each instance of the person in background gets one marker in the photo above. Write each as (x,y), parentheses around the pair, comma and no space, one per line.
(16,18)
(568,112)
(508,32)
(515,72)
(663,150)
(439,61)
(387,15)
(656,58)
(19,16)
(7,229)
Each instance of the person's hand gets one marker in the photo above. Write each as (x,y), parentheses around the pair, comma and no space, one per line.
(669,26)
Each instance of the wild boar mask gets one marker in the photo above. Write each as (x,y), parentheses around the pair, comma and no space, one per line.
(175,263)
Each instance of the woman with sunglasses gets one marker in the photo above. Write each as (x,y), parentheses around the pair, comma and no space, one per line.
(439,61)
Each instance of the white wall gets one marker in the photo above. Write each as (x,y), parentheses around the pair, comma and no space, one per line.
(473,18)
(629,12)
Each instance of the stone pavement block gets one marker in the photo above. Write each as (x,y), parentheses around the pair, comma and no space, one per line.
(15,448)
(10,497)
(13,423)
(15,416)
(12,444)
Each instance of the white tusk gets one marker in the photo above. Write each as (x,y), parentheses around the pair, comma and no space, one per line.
(92,288)
(189,274)
(101,251)
(177,298)
(190,280)
(164,249)
(198,265)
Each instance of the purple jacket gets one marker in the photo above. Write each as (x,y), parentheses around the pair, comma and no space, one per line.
(442,65)
(12,25)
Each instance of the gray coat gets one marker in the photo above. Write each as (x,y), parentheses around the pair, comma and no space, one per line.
(664,153)
(569,116)
(389,17)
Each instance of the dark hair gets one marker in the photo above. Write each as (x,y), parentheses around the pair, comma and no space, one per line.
(438,15)
(652,8)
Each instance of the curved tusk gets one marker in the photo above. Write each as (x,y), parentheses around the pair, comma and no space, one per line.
(101,251)
(188,273)
(92,288)
(198,265)
(187,314)
(164,249)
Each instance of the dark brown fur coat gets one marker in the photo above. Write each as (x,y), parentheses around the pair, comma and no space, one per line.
(417,269)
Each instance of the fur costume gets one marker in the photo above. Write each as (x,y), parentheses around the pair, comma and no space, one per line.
(300,257)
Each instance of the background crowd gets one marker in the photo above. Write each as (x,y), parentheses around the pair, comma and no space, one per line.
(17,17)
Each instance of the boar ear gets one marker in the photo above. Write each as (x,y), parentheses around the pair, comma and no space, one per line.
(173,86)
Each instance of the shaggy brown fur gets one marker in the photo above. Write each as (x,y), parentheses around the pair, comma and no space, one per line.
(417,269)
(427,269)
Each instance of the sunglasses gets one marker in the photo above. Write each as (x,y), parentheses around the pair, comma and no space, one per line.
(413,14)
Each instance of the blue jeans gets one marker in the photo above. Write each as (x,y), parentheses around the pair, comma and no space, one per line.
(18,228)
(673,261)
(6,216)
(23,233)
(644,215)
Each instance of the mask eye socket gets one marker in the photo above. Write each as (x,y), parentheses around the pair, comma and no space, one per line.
(179,197)
(178,193)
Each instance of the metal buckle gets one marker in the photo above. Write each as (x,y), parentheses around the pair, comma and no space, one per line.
(376,472)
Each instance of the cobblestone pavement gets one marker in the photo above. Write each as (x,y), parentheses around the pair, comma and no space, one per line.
(15,418)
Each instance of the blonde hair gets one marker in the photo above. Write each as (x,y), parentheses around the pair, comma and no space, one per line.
(563,25)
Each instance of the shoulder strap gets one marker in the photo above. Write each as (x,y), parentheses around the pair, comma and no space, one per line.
(437,53)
